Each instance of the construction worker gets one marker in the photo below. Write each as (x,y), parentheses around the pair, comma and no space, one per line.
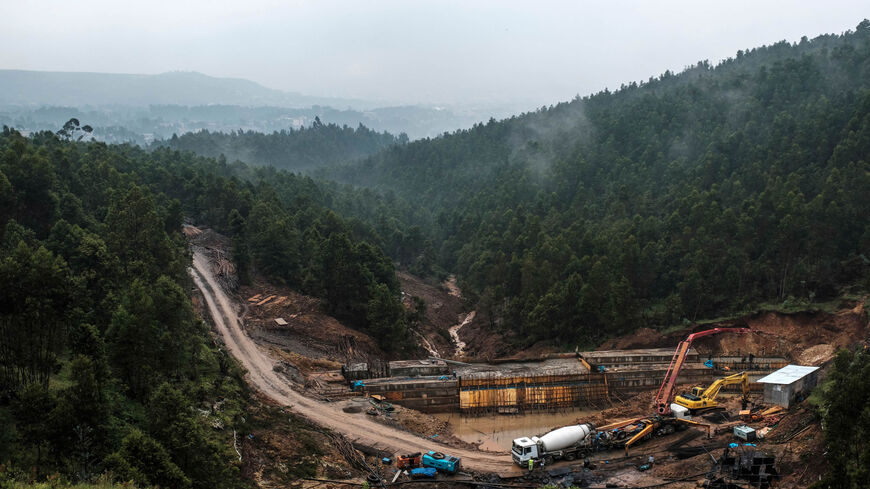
(531,465)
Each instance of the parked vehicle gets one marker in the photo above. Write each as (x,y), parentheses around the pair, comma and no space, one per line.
(567,443)
(441,462)
(410,461)
(572,442)
(701,399)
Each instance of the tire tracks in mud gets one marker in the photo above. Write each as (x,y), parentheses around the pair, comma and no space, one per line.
(260,375)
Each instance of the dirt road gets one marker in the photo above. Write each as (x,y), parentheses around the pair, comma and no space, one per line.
(355,427)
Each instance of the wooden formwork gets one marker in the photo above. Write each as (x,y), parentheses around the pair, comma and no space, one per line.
(485,393)
(504,390)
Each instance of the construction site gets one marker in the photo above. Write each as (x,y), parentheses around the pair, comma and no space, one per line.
(716,405)
(588,380)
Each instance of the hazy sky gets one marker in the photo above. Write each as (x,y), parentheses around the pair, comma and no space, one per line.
(528,52)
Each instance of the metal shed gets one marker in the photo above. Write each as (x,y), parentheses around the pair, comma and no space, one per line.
(785,385)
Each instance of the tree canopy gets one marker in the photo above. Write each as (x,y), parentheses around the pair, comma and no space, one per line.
(306,148)
(97,327)
(690,195)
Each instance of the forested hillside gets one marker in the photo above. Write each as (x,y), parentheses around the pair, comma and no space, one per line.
(294,149)
(102,359)
(690,195)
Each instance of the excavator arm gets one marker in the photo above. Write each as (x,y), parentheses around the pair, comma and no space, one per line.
(666,391)
(715,387)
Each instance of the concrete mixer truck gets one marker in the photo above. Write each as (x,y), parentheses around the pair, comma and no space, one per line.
(569,443)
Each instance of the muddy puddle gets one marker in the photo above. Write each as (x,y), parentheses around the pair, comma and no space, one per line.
(496,432)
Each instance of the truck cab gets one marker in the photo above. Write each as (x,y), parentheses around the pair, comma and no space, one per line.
(523,450)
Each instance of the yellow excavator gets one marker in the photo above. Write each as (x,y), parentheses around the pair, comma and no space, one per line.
(701,399)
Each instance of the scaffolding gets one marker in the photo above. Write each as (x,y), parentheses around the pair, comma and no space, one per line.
(484,393)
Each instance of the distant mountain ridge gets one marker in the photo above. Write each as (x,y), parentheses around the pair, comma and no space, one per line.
(140,108)
(23,87)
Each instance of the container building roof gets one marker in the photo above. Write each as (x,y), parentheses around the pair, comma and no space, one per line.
(788,374)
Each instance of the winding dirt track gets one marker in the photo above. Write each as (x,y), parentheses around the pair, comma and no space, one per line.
(355,427)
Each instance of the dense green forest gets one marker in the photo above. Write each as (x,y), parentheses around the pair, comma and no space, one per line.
(843,407)
(687,196)
(102,359)
(294,149)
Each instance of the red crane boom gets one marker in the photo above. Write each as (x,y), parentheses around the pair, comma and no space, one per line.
(666,391)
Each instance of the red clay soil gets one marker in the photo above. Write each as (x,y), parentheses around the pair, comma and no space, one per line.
(443,310)
(791,335)
(484,341)
(806,337)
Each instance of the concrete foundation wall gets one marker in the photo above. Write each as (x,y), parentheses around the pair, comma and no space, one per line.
(427,395)
(418,368)
(499,391)
(625,358)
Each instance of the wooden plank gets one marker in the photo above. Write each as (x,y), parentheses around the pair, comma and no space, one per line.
(267,299)
(254,298)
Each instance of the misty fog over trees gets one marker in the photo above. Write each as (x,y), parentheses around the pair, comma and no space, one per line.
(714,192)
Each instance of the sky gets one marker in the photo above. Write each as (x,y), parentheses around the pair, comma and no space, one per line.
(527,53)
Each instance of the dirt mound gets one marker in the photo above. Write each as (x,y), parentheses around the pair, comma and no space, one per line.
(816,355)
(306,330)
(422,424)
(790,335)
(806,337)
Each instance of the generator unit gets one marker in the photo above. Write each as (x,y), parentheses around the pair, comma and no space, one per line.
(744,432)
